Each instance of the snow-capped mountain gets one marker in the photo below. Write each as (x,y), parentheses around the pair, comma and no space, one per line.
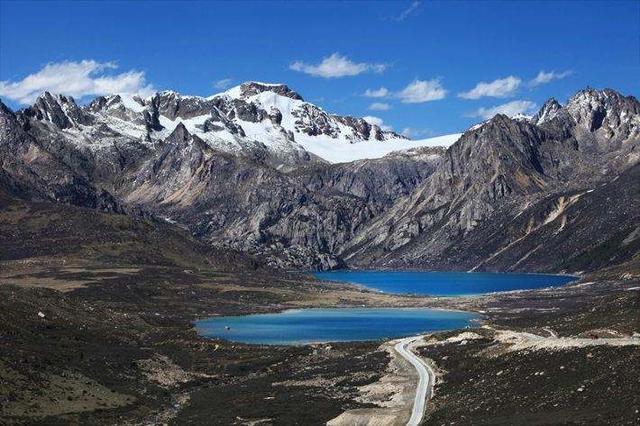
(269,119)
(269,113)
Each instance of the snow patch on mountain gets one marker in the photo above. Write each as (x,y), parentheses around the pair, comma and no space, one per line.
(343,153)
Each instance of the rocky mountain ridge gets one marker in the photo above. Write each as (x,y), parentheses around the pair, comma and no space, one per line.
(500,170)
(421,208)
(268,120)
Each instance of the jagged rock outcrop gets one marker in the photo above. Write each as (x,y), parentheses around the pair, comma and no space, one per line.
(605,113)
(548,112)
(62,111)
(252,88)
(380,182)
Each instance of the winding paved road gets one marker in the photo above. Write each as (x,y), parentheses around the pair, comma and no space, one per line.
(426,379)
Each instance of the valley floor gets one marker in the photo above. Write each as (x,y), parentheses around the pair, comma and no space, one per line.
(96,327)
(96,343)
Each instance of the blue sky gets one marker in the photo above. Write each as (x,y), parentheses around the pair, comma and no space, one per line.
(430,56)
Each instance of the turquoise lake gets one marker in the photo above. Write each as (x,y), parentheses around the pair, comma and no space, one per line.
(303,326)
(356,324)
(445,283)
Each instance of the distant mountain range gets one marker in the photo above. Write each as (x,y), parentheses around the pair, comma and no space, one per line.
(258,169)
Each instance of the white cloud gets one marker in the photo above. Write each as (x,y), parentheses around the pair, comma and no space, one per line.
(76,79)
(377,93)
(377,121)
(410,10)
(336,66)
(379,106)
(420,91)
(223,84)
(500,88)
(412,133)
(546,77)
(510,109)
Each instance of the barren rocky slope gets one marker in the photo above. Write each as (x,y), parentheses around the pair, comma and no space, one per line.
(520,176)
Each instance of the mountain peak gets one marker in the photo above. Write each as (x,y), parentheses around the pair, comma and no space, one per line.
(594,109)
(58,109)
(55,98)
(4,110)
(499,118)
(598,96)
(8,121)
(179,134)
(548,112)
(252,88)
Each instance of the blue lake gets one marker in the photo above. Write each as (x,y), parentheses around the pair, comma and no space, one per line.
(355,324)
(304,326)
(444,283)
